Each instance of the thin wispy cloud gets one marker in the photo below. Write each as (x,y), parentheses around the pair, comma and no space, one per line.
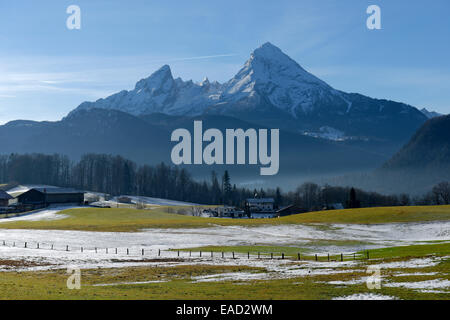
(200,57)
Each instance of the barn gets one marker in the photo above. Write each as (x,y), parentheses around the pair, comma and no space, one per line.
(48,196)
(4,198)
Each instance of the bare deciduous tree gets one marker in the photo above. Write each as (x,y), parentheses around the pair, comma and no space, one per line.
(442,192)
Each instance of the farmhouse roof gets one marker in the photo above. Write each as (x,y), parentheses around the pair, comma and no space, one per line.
(4,195)
(51,190)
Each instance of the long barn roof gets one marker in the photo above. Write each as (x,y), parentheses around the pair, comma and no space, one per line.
(57,190)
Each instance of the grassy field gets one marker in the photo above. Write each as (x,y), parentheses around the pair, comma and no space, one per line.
(130,220)
(179,282)
(436,249)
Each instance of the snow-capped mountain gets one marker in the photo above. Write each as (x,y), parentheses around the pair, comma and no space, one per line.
(272,90)
(271,77)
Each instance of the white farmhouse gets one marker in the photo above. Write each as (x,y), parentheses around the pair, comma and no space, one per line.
(259,208)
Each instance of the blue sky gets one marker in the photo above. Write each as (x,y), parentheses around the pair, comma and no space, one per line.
(47,70)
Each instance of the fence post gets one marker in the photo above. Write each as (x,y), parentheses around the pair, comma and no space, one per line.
(259,255)
(159,252)
(106,250)
(200,254)
(342,257)
(190,253)
(222,254)
(212,254)
(25,244)
(316,256)
(142,251)
(298,255)
(128,251)
(178,252)
(67,248)
(52,246)
(81,249)
(37,245)
(233,254)
(271,255)
(248,255)
(354,256)
(328,257)
(282,255)
(95,249)
(116,250)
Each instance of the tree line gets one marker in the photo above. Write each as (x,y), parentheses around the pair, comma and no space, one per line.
(115,175)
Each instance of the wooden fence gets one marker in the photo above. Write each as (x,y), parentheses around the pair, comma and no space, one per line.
(158,253)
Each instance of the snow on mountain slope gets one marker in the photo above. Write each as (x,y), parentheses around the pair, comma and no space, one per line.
(270,74)
(163,94)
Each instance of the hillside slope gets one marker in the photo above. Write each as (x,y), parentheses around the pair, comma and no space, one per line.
(429,148)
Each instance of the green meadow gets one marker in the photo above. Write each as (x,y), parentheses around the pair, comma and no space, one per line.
(132,220)
(180,281)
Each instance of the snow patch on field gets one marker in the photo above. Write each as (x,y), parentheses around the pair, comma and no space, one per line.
(348,282)
(413,263)
(415,274)
(366,296)
(127,283)
(232,276)
(47,214)
(429,284)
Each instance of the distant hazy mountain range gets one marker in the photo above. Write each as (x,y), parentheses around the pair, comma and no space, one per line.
(430,114)
(323,130)
(421,164)
(146,139)
(429,148)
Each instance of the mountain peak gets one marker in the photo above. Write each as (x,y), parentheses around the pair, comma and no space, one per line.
(271,75)
(164,69)
(158,79)
(205,82)
(268,50)
(268,62)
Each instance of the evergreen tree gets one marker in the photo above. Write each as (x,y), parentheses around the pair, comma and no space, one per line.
(226,188)
(215,189)
(278,198)
(353,202)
